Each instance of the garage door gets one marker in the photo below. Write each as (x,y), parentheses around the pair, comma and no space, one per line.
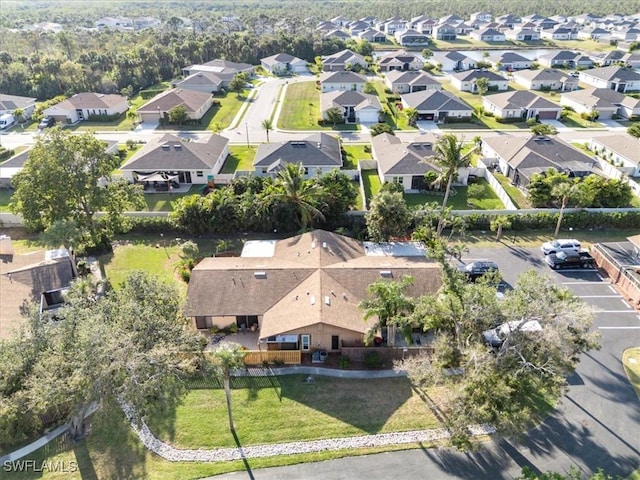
(548,115)
(426,116)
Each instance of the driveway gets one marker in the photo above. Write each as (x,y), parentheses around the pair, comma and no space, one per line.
(595,425)
(613,125)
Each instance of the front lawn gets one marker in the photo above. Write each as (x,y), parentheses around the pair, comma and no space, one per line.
(240,158)
(265,406)
(353,154)
(371,182)
(458,199)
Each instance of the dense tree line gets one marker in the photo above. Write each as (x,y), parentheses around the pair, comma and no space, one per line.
(46,65)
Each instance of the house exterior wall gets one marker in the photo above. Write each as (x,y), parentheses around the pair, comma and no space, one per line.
(198,177)
(200,88)
(61,114)
(605,113)
(628,167)
(321,336)
(469,86)
(71,116)
(209,321)
(311,170)
(330,87)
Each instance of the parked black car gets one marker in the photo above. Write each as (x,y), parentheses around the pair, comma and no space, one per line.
(47,122)
(569,259)
(475,270)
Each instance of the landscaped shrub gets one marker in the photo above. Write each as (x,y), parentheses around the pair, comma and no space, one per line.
(4,153)
(106,118)
(151,225)
(373,360)
(345,363)
(147,94)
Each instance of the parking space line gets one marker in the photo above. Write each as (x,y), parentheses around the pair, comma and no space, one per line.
(625,303)
(611,288)
(619,328)
(599,296)
(615,311)
(581,283)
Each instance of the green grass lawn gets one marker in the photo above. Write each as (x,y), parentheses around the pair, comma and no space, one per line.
(164,202)
(264,406)
(459,200)
(359,204)
(516,195)
(240,158)
(372,184)
(353,154)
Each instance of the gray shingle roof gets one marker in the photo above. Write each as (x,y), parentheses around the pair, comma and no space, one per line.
(613,72)
(475,74)
(11,102)
(435,100)
(161,154)
(348,98)
(191,99)
(520,99)
(342,76)
(411,77)
(319,149)
(396,158)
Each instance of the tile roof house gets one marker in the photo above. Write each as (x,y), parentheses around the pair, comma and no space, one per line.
(341,60)
(509,61)
(400,60)
(545,78)
(521,105)
(318,154)
(206,82)
(194,162)
(519,158)
(219,66)
(466,81)
(81,106)
(196,103)
(605,101)
(437,105)
(623,150)
(410,81)
(613,77)
(405,164)
(357,107)
(284,64)
(302,293)
(9,104)
(342,80)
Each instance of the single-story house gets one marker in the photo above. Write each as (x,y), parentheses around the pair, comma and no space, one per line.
(411,38)
(319,153)
(337,33)
(342,60)
(478,18)
(509,61)
(623,150)
(592,33)
(372,35)
(522,35)
(603,100)
(82,106)
(356,27)
(14,164)
(206,82)
(194,162)
(357,107)
(196,103)
(302,293)
(405,164)
(522,105)
(488,35)
(284,64)
(466,81)
(560,33)
(566,59)
(342,80)
(604,59)
(509,20)
(632,59)
(220,66)
(10,103)
(392,25)
(444,31)
(400,60)
(451,61)
(616,78)
(545,78)
(410,81)
(519,158)
(437,105)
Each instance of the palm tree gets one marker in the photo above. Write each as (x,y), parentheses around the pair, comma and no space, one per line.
(291,187)
(228,357)
(388,302)
(450,159)
(412,115)
(267,124)
(565,192)
(498,224)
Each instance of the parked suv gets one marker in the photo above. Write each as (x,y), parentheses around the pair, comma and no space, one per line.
(47,122)
(561,245)
(474,270)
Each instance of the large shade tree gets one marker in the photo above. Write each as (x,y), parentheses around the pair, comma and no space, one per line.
(69,177)
(388,216)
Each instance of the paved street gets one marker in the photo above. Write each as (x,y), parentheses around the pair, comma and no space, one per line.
(595,426)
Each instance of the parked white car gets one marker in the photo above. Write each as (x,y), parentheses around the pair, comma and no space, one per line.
(561,245)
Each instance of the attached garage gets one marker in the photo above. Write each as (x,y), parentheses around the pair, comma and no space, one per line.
(549,115)
(426,116)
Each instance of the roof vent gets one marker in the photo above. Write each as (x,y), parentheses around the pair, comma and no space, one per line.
(260,275)
(166,146)
(177,146)
(313,244)
(327,300)
(386,273)
(312,299)
(324,244)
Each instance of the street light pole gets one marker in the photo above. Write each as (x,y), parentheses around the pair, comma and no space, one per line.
(246,129)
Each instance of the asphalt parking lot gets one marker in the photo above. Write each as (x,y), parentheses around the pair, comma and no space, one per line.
(613,311)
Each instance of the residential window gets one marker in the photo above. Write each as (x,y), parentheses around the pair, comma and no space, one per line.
(264,169)
(399,180)
(305,342)
(306,170)
(199,173)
